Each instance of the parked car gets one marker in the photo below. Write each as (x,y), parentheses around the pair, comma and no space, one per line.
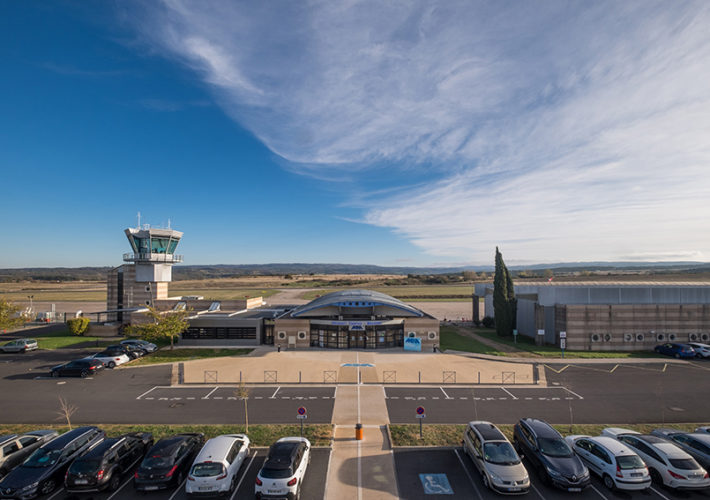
(697,445)
(667,464)
(131,351)
(282,474)
(550,454)
(44,470)
(705,428)
(168,462)
(102,468)
(78,368)
(19,345)
(146,346)
(495,458)
(15,448)
(701,350)
(110,359)
(214,471)
(615,463)
(675,349)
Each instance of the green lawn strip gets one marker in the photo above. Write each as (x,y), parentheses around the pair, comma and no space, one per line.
(177,354)
(260,435)
(525,343)
(65,339)
(451,339)
(224,293)
(451,434)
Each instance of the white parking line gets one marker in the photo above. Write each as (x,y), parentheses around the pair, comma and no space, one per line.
(445,395)
(210,393)
(659,493)
(146,392)
(598,492)
(508,392)
(130,477)
(180,488)
(465,469)
(56,493)
(243,476)
(273,396)
(573,393)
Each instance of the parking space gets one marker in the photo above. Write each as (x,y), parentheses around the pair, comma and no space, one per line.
(446,473)
(313,483)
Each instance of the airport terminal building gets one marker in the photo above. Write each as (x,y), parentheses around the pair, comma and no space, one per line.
(611,316)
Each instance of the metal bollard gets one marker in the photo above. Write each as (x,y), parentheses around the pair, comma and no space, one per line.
(358,432)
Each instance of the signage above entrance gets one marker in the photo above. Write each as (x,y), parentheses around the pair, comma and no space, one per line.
(412,344)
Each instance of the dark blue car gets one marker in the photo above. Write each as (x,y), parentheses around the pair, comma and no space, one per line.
(675,349)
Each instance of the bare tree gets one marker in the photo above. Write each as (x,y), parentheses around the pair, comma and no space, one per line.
(242,392)
(66,411)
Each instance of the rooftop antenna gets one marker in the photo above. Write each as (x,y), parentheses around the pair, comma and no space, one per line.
(168,223)
(139,220)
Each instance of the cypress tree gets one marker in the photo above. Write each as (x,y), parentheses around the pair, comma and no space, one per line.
(504,303)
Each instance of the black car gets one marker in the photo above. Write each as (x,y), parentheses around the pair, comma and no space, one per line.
(44,470)
(131,351)
(168,462)
(550,455)
(103,466)
(78,368)
(15,448)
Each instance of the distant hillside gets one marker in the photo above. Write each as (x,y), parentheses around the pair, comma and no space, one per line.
(659,269)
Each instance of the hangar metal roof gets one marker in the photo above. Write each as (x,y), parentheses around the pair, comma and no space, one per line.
(355,299)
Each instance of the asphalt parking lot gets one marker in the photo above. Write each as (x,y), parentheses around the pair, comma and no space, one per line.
(313,483)
(446,473)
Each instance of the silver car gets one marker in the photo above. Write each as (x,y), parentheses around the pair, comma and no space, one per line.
(495,458)
(696,445)
(19,345)
(701,350)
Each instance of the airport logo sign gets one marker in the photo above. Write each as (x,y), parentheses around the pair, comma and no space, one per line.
(412,344)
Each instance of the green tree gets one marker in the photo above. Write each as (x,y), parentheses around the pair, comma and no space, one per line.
(10,316)
(161,325)
(504,303)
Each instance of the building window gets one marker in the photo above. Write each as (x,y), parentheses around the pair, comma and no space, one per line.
(282,335)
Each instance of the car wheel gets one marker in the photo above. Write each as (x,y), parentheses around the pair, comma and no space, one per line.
(115,481)
(55,374)
(47,487)
(84,374)
(180,478)
(608,481)
(486,482)
(111,365)
(655,476)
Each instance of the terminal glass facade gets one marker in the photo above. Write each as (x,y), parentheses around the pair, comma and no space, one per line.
(372,337)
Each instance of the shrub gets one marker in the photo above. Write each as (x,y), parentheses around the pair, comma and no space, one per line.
(488,322)
(78,326)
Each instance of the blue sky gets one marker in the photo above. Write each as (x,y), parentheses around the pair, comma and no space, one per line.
(404,133)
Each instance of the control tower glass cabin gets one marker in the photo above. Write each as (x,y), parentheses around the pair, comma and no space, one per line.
(153,253)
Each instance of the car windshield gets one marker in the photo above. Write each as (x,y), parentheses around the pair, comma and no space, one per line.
(630,462)
(157,462)
(270,473)
(554,447)
(84,466)
(684,463)
(43,458)
(207,469)
(501,453)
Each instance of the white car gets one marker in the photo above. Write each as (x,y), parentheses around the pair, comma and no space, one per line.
(495,458)
(282,474)
(614,462)
(19,345)
(141,344)
(110,360)
(214,470)
(666,463)
(701,350)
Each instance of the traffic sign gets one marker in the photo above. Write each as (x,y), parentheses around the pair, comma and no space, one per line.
(301,417)
(420,410)
(563,343)
(563,335)
(302,410)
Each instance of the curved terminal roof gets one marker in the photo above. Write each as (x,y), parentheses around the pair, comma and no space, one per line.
(349,299)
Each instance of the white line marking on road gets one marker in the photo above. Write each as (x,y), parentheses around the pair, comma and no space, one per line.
(130,478)
(508,392)
(464,397)
(555,399)
(568,397)
(285,397)
(465,469)
(146,392)
(542,399)
(435,397)
(421,397)
(445,395)
(243,476)
(536,491)
(190,398)
(573,393)
(325,397)
(150,398)
(175,398)
(56,493)
(393,397)
(312,397)
(528,399)
(659,493)
(408,397)
(210,393)
(613,369)
(180,487)
(273,396)
(162,399)
(232,397)
(599,492)
(218,397)
(502,399)
(259,397)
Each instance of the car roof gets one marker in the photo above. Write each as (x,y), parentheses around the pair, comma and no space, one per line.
(611,444)
(488,431)
(281,454)
(7,437)
(102,448)
(168,445)
(541,428)
(218,447)
(62,440)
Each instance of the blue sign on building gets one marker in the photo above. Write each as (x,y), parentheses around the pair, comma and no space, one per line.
(412,344)
(436,484)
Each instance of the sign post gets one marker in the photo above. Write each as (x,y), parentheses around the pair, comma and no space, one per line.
(421,416)
(302,416)
(515,335)
(563,342)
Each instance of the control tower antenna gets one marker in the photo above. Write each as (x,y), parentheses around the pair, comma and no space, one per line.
(139,220)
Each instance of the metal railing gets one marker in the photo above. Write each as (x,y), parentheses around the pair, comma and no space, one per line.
(152,257)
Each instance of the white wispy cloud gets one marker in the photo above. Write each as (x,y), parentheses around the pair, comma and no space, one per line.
(557,130)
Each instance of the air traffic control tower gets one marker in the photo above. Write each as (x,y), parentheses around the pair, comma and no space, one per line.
(145,277)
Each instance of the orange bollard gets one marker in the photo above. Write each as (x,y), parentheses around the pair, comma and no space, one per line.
(358,432)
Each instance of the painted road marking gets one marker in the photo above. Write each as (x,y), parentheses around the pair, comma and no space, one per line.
(573,393)
(508,392)
(146,392)
(436,484)
(244,474)
(465,469)
(210,393)
(273,396)
(445,395)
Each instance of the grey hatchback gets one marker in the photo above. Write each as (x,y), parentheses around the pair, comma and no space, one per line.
(19,345)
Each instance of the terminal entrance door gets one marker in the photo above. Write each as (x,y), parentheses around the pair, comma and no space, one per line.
(357,339)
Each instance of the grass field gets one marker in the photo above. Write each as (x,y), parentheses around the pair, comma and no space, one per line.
(166,355)
(451,435)
(416,293)
(450,339)
(65,339)
(260,435)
